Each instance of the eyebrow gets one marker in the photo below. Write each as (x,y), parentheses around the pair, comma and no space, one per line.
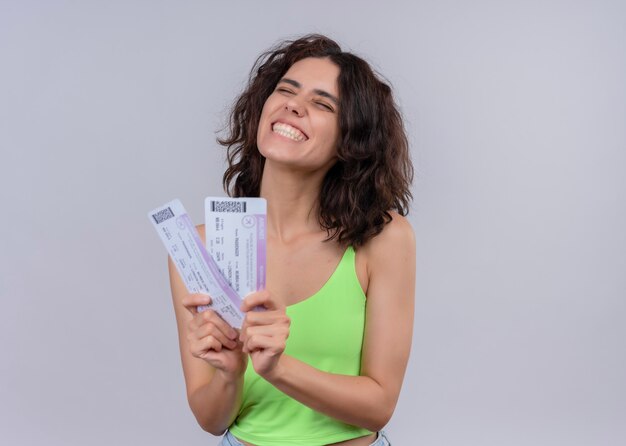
(316,91)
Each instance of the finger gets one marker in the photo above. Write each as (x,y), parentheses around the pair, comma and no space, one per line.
(199,347)
(276,324)
(266,318)
(213,356)
(206,317)
(279,332)
(193,301)
(211,317)
(263,342)
(210,330)
(260,298)
(199,319)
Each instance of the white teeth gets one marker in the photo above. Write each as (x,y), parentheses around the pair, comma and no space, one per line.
(288,131)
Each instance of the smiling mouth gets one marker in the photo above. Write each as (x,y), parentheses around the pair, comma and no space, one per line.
(288,131)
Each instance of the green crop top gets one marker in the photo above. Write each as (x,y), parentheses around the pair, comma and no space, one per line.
(326,332)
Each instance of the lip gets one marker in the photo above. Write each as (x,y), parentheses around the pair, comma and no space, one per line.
(284,121)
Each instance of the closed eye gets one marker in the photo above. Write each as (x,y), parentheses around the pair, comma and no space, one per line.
(325,106)
(284,90)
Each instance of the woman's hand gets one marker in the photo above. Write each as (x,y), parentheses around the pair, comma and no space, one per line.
(212,339)
(264,333)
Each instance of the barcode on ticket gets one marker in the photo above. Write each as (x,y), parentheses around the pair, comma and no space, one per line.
(228,206)
(163,215)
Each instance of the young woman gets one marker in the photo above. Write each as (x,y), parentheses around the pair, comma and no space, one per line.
(317,134)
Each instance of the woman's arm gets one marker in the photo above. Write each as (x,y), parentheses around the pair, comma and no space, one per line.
(367,400)
(213,363)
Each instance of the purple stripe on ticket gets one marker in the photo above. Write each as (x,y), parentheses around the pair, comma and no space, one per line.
(261,251)
(196,267)
(213,269)
(236,239)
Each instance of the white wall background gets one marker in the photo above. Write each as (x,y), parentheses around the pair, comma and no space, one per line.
(516,112)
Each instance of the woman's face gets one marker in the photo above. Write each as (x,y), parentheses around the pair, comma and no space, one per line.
(299,124)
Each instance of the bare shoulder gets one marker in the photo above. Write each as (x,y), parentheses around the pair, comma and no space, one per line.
(396,237)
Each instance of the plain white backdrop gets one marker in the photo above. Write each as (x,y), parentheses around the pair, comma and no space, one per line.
(516,113)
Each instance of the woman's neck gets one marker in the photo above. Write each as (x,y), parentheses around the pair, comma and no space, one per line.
(292,202)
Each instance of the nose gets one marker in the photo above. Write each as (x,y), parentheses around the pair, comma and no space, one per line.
(294,106)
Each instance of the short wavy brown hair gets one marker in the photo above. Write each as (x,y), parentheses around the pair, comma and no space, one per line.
(373,172)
